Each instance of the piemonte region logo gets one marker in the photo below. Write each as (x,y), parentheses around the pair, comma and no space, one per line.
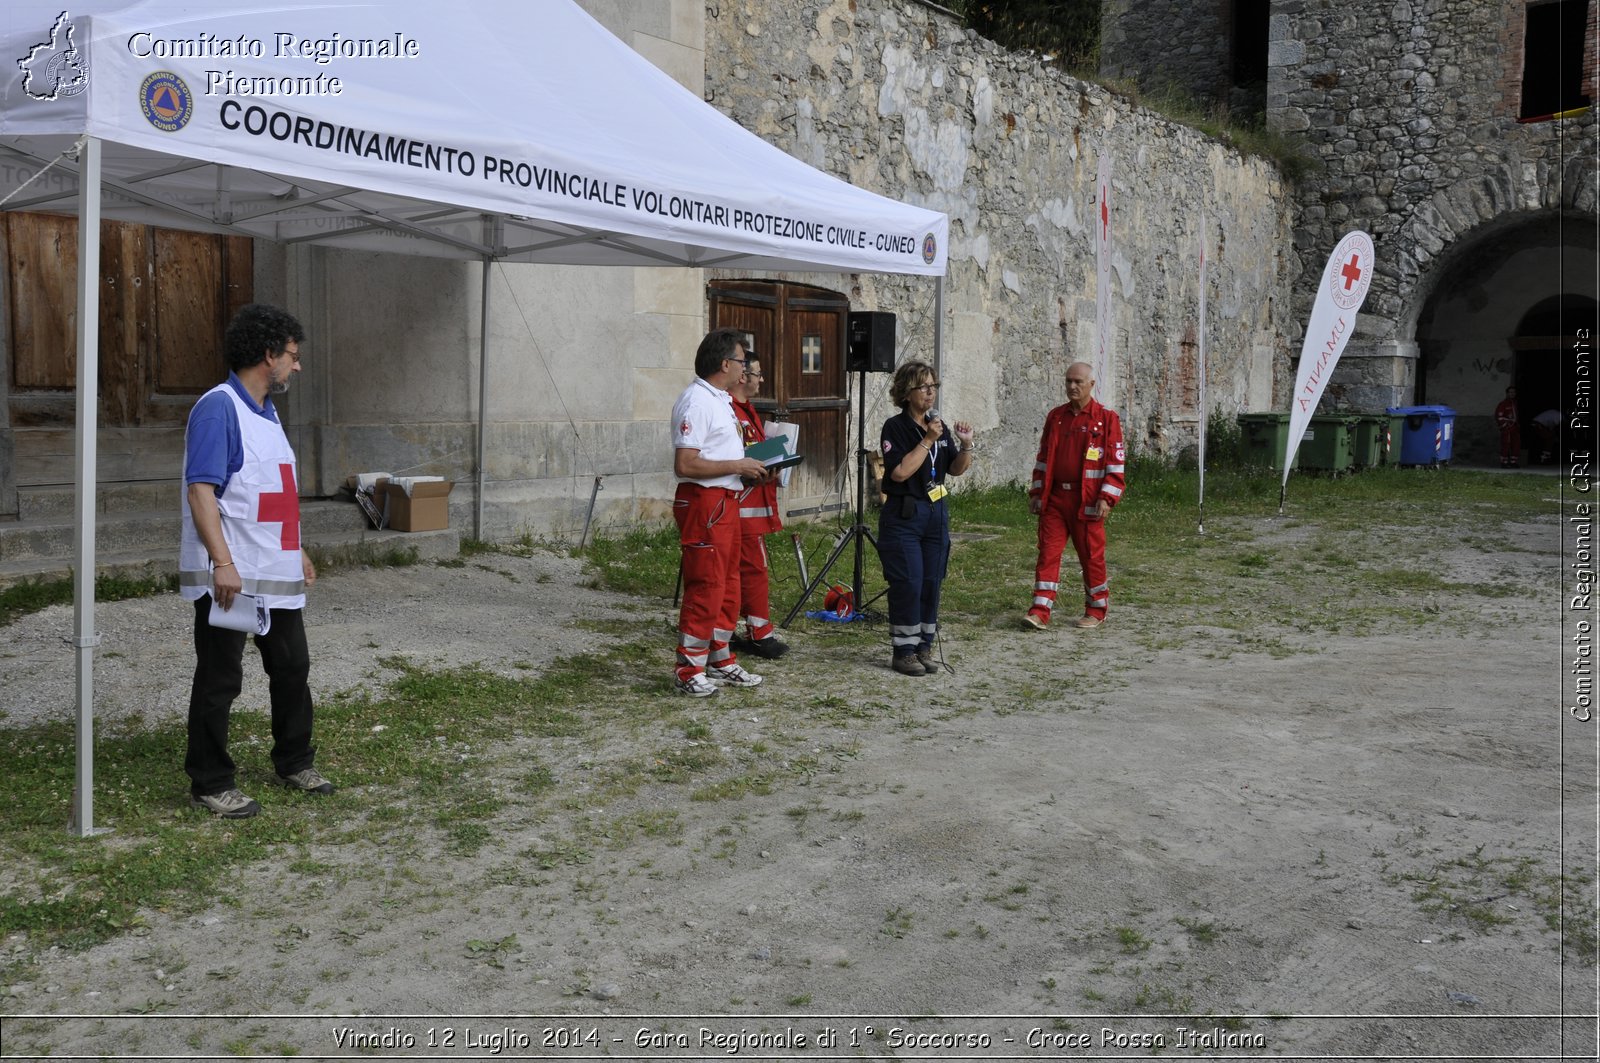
(930,249)
(167,102)
(55,69)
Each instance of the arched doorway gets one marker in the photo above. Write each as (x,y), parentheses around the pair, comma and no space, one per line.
(1505,303)
(1544,346)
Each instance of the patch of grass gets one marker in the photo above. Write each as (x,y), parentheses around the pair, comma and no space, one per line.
(425,735)
(1130,940)
(1162,999)
(681,765)
(896,923)
(1204,933)
(1247,133)
(30,596)
(362,555)
(1476,889)
(735,788)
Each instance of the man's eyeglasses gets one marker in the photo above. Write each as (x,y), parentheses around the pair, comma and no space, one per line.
(742,361)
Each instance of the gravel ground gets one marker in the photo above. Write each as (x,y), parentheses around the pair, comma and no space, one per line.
(1162,836)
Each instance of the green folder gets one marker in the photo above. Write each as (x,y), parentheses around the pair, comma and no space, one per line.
(772,453)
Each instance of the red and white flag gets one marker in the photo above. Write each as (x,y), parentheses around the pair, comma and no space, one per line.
(1345,281)
(1102,288)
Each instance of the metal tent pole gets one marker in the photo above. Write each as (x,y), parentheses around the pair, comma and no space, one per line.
(84,638)
(483,394)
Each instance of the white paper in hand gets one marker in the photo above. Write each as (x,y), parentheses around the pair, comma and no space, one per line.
(247,613)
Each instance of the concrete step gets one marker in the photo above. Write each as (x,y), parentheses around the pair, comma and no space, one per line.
(154,530)
(56,503)
(335,548)
(140,564)
(115,533)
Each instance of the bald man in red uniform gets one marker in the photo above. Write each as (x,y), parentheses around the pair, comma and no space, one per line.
(1077,478)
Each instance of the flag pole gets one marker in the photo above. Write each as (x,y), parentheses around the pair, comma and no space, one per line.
(1201,354)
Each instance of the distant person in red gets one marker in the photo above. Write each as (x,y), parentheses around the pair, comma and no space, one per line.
(1077,478)
(1505,415)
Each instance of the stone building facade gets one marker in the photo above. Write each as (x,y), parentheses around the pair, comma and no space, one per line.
(898,97)
(584,363)
(1461,135)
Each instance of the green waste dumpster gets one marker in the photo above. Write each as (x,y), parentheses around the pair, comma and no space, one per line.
(1366,440)
(1394,430)
(1326,444)
(1263,437)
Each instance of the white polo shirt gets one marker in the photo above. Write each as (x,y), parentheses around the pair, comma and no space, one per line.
(703,420)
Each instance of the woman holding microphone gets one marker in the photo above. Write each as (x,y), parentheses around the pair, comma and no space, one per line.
(919,454)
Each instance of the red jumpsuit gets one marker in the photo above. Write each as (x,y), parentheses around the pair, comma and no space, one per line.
(1080,463)
(758,515)
(1505,415)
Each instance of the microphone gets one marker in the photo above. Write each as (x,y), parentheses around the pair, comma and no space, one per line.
(933,415)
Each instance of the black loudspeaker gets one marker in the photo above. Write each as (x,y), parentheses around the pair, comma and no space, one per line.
(869,346)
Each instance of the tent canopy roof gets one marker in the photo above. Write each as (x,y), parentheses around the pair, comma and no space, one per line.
(513,130)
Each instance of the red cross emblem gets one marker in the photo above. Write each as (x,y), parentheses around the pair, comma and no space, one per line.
(283,506)
(1105,216)
(1351,271)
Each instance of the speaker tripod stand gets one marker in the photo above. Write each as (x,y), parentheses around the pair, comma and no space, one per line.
(858,534)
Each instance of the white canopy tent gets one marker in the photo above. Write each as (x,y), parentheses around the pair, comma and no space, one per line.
(499,130)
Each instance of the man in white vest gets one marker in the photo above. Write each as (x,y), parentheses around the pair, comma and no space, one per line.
(240,549)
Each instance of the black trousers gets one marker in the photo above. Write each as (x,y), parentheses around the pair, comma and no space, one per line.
(218,677)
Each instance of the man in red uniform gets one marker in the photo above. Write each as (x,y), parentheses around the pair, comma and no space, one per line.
(1077,478)
(708,458)
(758,515)
(1505,415)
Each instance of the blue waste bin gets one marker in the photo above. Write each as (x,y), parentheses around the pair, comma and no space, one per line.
(1427,434)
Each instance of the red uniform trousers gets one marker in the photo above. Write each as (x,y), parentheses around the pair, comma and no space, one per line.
(1061,519)
(708,531)
(754,589)
(1511,444)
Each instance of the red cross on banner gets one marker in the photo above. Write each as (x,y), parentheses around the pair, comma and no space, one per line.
(1105,215)
(283,506)
(1351,271)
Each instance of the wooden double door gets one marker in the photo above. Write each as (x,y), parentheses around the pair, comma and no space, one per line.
(165,300)
(798,331)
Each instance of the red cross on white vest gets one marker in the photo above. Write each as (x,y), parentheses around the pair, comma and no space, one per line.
(283,506)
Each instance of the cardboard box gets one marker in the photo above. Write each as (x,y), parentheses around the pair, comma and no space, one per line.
(427,508)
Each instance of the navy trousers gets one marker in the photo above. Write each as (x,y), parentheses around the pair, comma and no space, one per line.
(914,548)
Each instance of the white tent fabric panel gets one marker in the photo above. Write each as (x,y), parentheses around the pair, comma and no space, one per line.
(530,111)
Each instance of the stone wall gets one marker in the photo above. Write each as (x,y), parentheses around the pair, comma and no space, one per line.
(1193,37)
(897,97)
(1409,110)
(1406,105)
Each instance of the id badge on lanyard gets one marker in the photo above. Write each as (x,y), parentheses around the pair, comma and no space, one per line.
(936,490)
